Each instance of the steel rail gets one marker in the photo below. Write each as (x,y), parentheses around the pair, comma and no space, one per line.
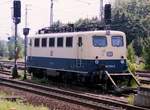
(68,96)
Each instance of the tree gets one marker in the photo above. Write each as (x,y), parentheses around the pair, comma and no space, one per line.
(138,46)
(80,25)
(11,47)
(132,17)
(3,48)
(146,52)
(20,46)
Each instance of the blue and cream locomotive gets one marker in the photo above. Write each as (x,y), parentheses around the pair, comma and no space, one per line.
(95,57)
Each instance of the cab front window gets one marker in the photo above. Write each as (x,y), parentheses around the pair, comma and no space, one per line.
(99,41)
(117,41)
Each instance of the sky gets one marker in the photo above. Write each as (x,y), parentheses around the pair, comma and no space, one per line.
(66,11)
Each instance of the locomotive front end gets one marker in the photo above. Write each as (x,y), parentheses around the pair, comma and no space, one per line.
(111,61)
(110,51)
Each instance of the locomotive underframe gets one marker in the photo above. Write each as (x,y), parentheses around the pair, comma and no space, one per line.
(118,82)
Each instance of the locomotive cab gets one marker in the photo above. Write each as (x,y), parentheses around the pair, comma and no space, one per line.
(111,63)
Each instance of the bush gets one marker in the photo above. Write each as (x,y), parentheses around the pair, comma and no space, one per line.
(131,54)
(131,66)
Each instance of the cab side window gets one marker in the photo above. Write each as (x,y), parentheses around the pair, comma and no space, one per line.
(69,41)
(60,42)
(30,43)
(37,42)
(80,43)
(51,42)
(44,42)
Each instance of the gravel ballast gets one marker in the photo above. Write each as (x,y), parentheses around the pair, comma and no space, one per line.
(34,99)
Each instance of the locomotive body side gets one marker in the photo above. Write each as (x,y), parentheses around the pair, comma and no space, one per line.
(91,58)
(81,56)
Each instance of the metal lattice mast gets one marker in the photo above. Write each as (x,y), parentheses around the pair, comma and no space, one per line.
(51,13)
(117,2)
(101,10)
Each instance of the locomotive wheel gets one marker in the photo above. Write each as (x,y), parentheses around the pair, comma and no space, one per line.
(63,77)
(38,74)
(107,85)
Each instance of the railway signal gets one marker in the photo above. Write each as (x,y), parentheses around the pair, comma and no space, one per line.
(25,32)
(16,19)
(17,11)
(107,14)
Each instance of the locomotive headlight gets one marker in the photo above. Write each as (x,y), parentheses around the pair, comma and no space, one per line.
(122,60)
(96,60)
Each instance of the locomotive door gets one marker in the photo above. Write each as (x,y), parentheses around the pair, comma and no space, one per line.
(79,52)
(29,48)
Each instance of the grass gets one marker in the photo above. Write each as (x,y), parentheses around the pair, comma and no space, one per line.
(8,105)
(40,81)
(140,66)
(21,74)
(2,94)
(133,84)
(131,99)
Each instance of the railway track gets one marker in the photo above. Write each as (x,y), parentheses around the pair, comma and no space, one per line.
(5,72)
(144,76)
(68,96)
(10,64)
(142,88)
(5,61)
(144,80)
(143,96)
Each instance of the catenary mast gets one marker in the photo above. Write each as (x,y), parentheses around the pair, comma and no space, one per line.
(51,13)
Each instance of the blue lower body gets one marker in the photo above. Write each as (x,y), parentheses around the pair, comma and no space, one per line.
(62,64)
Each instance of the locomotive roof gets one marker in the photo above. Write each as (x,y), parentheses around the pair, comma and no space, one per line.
(103,32)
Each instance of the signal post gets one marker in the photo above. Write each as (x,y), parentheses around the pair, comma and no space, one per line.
(16,20)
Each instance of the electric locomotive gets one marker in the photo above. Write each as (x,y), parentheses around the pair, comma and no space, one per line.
(91,57)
